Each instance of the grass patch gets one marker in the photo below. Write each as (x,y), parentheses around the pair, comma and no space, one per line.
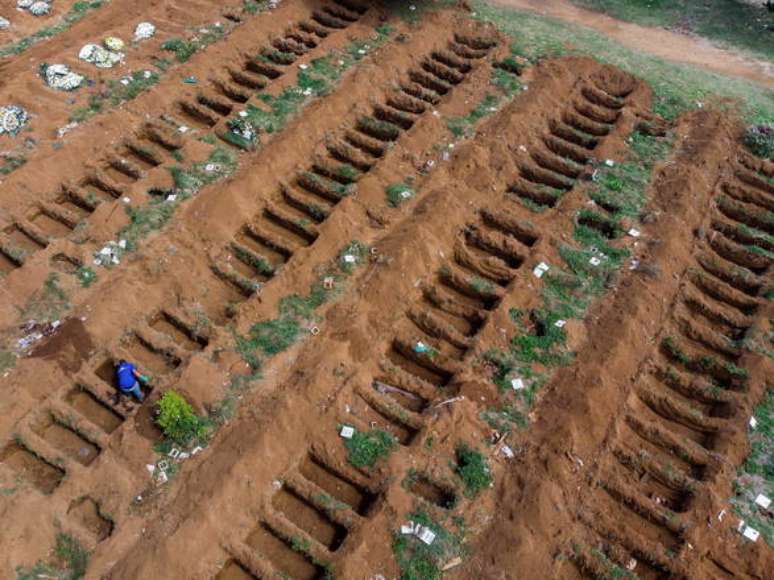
(48,303)
(759,139)
(756,476)
(731,24)
(366,448)
(270,337)
(7,360)
(419,561)
(70,562)
(316,80)
(185,49)
(397,193)
(677,87)
(473,469)
(116,93)
(76,13)
(10,163)
(86,276)
(154,215)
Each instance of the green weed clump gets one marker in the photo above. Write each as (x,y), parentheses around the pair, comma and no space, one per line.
(397,193)
(473,469)
(48,303)
(185,49)
(10,163)
(420,561)
(77,12)
(759,139)
(756,475)
(71,561)
(366,448)
(116,93)
(178,421)
(86,276)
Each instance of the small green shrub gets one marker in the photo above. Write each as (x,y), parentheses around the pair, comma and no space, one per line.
(759,139)
(397,193)
(71,557)
(274,336)
(365,448)
(473,469)
(178,421)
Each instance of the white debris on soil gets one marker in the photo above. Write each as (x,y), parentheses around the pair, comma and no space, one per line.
(24,4)
(12,119)
(34,7)
(100,56)
(36,331)
(347,431)
(62,131)
(763,501)
(753,422)
(110,254)
(59,76)
(751,534)
(540,269)
(144,31)
(4,23)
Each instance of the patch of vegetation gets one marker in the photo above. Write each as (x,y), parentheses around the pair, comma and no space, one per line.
(756,476)
(76,13)
(461,126)
(115,93)
(10,163)
(759,139)
(366,448)
(420,561)
(70,562)
(505,419)
(178,421)
(86,276)
(473,469)
(316,80)
(185,49)
(677,87)
(254,6)
(7,361)
(48,303)
(738,25)
(269,337)
(154,215)
(397,193)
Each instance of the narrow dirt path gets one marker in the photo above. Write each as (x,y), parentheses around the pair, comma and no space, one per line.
(658,42)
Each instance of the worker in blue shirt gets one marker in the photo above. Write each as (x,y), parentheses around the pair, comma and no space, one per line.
(129,379)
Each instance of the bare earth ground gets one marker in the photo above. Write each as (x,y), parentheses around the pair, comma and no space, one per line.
(630,449)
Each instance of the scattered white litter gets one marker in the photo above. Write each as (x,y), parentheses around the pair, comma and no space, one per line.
(276,484)
(456,561)
(4,23)
(196,450)
(541,269)
(210,167)
(328,282)
(12,119)
(740,526)
(517,384)
(315,330)
(412,7)
(59,76)
(162,478)
(151,468)
(763,501)
(174,453)
(753,422)
(100,56)
(144,31)
(751,534)
(427,535)
(171,198)
(594,261)
(609,162)
(631,565)
(62,131)
(721,514)
(408,528)
(183,129)
(347,431)
(163,465)
(125,81)
(420,347)
(114,43)
(560,323)
(40,8)
(243,113)
(506,451)
(634,264)
(634,232)
(183,455)
(24,4)
(349,258)
(436,114)
(405,194)
(522,149)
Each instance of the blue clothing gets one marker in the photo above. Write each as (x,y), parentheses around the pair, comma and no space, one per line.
(125,374)
(136,391)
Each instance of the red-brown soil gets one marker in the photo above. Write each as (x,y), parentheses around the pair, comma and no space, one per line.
(75,456)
